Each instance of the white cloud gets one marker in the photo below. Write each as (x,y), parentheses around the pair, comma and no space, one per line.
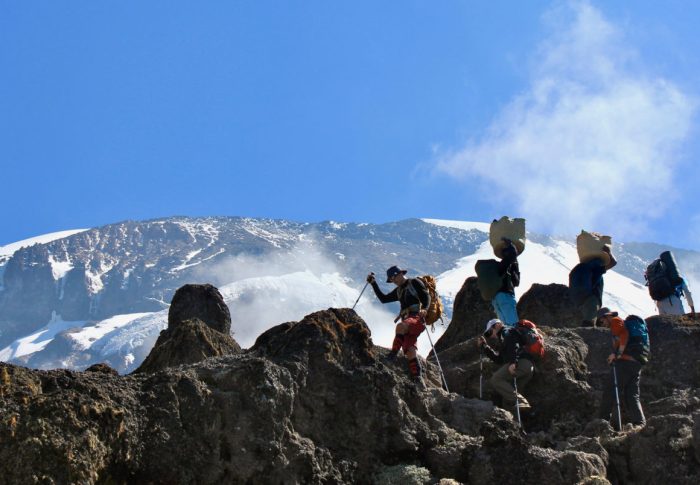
(592,143)
(266,290)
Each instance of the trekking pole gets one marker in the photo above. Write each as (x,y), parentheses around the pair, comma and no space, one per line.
(363,290)
(481,373)
(617,398)
(517,404)
(442,375)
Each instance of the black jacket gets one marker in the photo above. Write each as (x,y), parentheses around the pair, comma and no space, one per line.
(509,270)
(598,269)
(411,299)
(512,344)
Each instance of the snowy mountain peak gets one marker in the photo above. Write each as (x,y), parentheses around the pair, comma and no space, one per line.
(112,285)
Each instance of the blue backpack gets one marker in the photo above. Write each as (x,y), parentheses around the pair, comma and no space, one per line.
(638,342)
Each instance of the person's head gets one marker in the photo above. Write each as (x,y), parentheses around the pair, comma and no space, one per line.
(492,328)
(396,275)
(605,316)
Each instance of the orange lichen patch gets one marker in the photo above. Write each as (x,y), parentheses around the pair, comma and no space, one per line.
(12,424)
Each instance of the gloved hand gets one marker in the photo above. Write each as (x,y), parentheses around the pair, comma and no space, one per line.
(370,278)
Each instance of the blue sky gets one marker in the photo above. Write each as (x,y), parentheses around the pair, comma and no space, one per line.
(571,114)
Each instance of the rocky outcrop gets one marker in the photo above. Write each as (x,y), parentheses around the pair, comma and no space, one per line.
(199,323)
(199,301)
(189,342)
(549,305)
(559,391)
(566,390)
(315,401)
(311,402)
(469,316)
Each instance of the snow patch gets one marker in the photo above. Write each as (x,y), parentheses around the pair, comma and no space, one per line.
(463,225)
(59,268)
(10,249)
(88,334)
(38,340)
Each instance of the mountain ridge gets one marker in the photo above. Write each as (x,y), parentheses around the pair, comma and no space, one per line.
(112,284)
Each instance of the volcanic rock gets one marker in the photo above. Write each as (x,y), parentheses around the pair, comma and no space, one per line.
(312,402)
(549,305)
(469,316)
(189,342)
(558,390)
(199,323)
(200,301)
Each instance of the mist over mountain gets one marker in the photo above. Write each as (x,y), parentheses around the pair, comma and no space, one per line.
(102,294)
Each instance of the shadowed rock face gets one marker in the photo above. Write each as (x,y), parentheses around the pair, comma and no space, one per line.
(199,301)
(469,316)
(189,342)
(199,323)
(549,305)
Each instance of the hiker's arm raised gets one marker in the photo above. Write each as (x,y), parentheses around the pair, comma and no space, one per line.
(393,295)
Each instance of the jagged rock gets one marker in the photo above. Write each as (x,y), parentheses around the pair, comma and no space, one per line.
(310,403)
(469,316)
(672,372)
(103,369)
(532,464)
(189,342)
(405,474)
(661,452)
(549,305)
(199,323)
(200,301)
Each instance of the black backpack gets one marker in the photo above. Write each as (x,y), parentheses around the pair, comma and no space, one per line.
(660,285)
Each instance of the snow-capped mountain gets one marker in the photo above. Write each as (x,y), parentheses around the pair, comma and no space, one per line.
(102,294)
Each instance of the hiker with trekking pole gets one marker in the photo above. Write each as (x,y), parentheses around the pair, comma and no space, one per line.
(517,363)
(415,302)
(630,351)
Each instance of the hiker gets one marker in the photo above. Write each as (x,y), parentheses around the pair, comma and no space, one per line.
(504,301)
(628,370)
(586,281)
(516,362)
(673,305)
(414,298)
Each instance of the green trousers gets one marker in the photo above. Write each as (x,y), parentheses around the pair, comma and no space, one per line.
(502,380)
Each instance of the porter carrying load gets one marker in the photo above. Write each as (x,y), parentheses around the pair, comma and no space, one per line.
(507,229)
(591,245)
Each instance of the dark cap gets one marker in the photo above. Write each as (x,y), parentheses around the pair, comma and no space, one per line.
(393,271)
(605,312)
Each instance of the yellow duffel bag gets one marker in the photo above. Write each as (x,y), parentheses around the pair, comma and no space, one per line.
(505,227)
(590,246)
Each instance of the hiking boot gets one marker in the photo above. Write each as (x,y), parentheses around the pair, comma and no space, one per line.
(633,426)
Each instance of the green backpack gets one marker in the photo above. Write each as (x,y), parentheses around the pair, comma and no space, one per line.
(488,279)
